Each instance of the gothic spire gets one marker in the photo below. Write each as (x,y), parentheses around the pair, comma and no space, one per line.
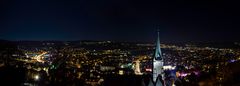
(158,52)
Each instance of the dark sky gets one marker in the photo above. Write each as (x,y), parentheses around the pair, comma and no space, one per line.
(123,20)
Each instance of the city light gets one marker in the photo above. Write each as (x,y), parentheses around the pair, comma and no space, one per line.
(92,66)
(169,67)
(36,77)
(120,72)
(148,69)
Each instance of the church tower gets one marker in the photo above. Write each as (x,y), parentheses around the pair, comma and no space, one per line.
(157,61)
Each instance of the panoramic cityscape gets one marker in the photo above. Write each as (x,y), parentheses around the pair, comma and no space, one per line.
(108,63)
(119,43)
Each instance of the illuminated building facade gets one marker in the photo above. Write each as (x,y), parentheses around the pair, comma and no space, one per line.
(137,70)
(157,61)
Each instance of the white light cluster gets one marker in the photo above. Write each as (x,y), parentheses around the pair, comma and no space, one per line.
(169,67)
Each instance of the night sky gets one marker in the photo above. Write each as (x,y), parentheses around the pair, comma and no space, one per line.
(119,20)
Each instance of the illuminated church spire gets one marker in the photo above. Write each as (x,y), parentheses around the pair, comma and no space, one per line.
(157,61)
(158,53)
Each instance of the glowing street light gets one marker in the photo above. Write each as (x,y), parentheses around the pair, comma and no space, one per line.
(36,77)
